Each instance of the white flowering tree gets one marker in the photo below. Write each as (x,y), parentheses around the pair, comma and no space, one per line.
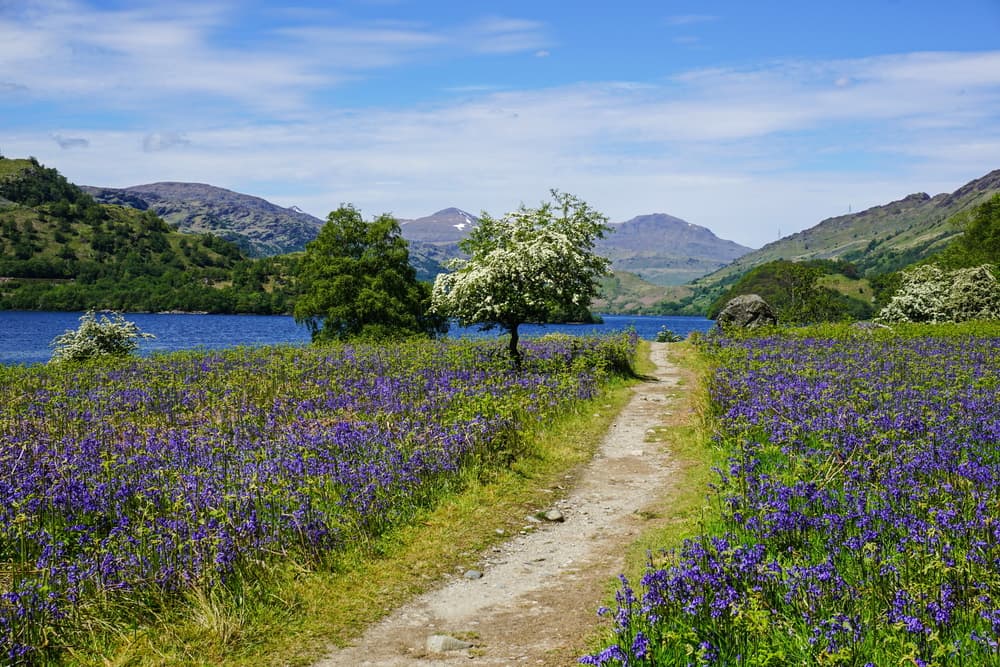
(108,336)
(931,294)
(527,266)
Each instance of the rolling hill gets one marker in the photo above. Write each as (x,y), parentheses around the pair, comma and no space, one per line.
(877,240)
(623,292)
(61,250)
(259,227)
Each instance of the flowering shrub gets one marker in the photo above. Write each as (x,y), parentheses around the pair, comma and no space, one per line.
(974,294)
(114,336)
(931,294)
(666,335)
(858,513)
(162,474)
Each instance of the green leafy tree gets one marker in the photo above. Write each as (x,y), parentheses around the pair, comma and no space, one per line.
(109,336)
(979,242)
(793,290)
(356,281)
(527,266)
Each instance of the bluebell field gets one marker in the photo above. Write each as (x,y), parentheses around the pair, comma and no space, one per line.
(858,513)
(137,480)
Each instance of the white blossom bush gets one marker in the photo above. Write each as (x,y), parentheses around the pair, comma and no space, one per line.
(974,294)
(931,294)
(107,336)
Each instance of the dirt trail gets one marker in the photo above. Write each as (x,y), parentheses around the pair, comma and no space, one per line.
(537,598)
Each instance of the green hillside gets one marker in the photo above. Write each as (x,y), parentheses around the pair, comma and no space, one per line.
(980,240)
(876,241)
(61,250)
(978,244)
(816,290)
(627,293)
(258,227)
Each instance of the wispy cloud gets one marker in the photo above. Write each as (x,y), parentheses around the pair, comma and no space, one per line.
(70,142)
(114,57)
(690,19)
(155,142)
(12,88)
(504,35)
(686,40)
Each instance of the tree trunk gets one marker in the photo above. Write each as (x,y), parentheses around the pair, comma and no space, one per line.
(515,353)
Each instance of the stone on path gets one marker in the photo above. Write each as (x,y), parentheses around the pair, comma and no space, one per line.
(554,515)
(444,643)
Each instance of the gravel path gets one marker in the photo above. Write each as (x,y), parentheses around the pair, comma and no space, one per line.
(536,600)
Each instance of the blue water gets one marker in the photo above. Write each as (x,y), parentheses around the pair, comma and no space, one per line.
(25,335)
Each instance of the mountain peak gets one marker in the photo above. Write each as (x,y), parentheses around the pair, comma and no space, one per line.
(451,210)
(666,250)
(447,226)
(663,228)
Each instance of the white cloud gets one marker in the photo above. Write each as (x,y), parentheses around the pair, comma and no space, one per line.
(161,141)
(124,58)
(743,151)
(949,70)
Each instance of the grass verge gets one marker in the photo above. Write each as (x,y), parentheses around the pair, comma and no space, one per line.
(291,613)
(683,509)
(685,434)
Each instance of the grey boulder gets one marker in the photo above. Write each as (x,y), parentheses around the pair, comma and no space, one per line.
(747,311)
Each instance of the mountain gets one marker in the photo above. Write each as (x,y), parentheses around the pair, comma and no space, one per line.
(259,227)
(665,250)
(434,239)
(61,250)
(445,228)
(877,240)
(658,248)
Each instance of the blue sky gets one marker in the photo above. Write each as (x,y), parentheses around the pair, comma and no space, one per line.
(750,118)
